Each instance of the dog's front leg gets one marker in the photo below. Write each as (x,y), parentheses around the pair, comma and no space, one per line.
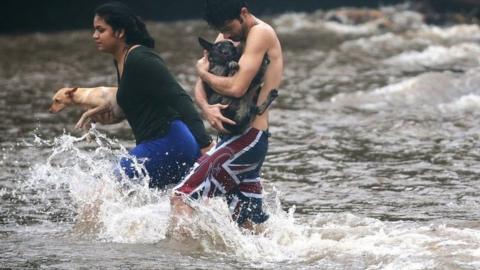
(82,123)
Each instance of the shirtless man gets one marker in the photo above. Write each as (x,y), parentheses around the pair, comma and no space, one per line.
(232,168)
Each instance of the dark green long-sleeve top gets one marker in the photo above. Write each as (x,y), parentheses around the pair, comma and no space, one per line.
(151,98)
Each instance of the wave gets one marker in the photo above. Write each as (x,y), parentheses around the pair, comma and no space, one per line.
(393,18)
(437,56)
(77,175)
(470,102)
(426,91)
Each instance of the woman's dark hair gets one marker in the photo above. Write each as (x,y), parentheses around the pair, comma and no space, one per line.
(119,16)
(217,12)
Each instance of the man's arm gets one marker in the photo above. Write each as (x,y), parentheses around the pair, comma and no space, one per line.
(200,95)
(257,44)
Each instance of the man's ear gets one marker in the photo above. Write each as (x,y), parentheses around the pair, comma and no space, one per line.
(244,12)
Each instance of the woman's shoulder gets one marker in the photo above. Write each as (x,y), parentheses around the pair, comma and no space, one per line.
(145,60)
(141,51)
(143,54)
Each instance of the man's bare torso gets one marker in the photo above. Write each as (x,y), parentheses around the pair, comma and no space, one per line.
(273,75)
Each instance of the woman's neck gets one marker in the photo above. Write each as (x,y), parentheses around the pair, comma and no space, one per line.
(119,56)
(119,53)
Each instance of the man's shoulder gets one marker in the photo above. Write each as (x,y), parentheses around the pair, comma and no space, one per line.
(262,31)
(263,27)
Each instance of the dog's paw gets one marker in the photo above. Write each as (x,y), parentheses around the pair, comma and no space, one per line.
(88,124)
(80,125)
(84,124)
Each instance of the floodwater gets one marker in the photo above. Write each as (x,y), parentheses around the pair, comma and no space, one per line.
(373,160)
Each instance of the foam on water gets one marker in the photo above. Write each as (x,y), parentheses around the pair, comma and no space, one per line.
(77,176)
(433,90)
(400,19)
(415,45)
(456,33)
(382,44)
(470,102)
(437,56)
(328,239)
(292,22)
(426,89)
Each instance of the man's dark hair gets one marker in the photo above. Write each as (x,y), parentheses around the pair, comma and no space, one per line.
(217,12)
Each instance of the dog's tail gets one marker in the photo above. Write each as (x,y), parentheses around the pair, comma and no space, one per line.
(264,106)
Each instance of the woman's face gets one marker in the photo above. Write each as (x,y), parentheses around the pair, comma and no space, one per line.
(105,38)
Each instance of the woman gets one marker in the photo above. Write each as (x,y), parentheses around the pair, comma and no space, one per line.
(168,130)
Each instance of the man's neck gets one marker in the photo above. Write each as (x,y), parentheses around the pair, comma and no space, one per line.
(250,22)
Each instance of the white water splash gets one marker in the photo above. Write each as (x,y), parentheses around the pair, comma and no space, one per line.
(453,34)
(78,174)
(424,90)
(470,102)
(434,90)
(435,56)
(399,18)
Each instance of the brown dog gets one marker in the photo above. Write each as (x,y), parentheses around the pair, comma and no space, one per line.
(95,101)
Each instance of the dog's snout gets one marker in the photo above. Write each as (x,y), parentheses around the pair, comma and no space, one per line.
(52,109)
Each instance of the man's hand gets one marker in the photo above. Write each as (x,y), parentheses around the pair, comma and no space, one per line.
(213,114)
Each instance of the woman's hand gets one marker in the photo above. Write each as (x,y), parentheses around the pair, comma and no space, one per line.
(106,117)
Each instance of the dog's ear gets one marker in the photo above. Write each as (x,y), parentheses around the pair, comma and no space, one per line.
(70,92)
(205,44)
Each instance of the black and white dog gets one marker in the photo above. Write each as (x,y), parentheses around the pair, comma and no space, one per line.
(223,57)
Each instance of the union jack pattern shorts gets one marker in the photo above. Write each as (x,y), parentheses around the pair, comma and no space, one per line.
(232,170)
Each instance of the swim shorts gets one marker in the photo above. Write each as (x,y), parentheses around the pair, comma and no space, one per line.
(231,169)
(167,159)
